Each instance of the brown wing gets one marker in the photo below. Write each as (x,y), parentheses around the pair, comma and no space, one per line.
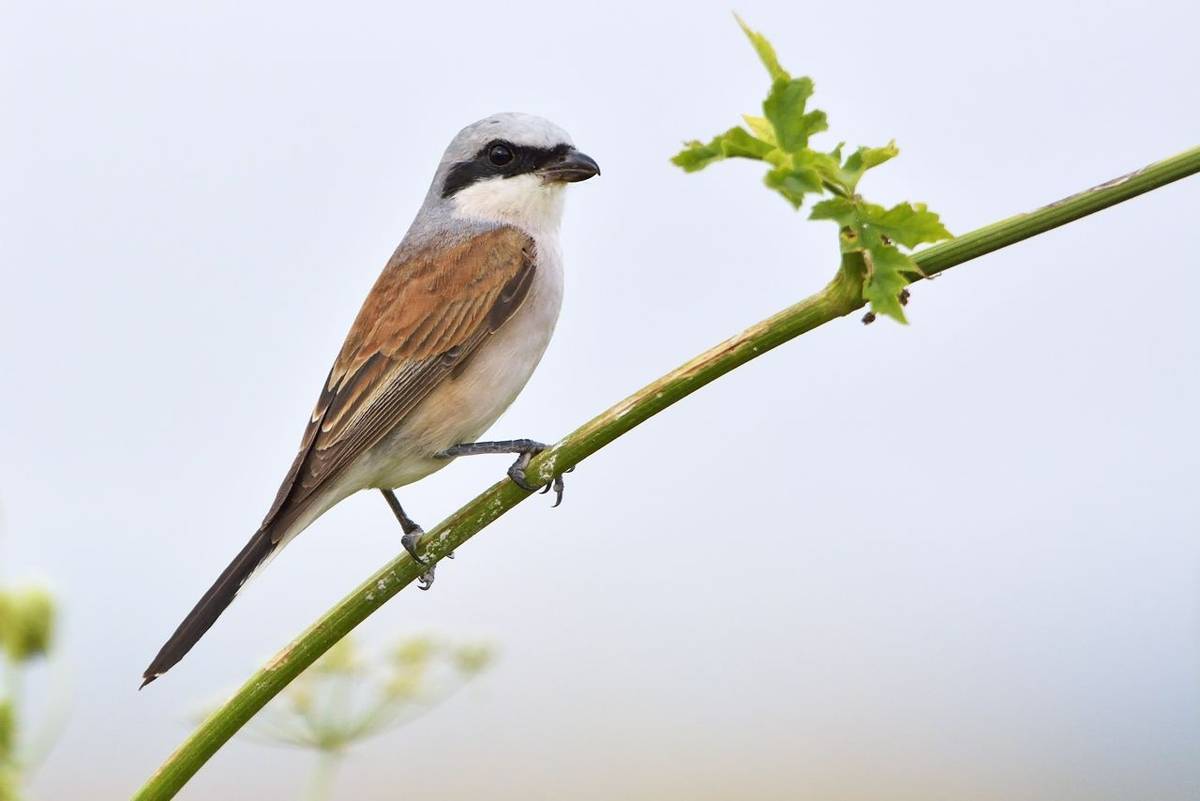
(425,316)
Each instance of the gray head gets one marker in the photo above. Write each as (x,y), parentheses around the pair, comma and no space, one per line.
(511,169)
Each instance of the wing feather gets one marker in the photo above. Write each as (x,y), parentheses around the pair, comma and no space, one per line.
(424,318)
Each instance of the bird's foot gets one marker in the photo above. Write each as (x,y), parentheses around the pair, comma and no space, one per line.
(410,539)
(516,472)
(525,449)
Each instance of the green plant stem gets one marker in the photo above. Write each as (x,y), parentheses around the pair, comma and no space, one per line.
(842,296)
(13,693)
(320,784)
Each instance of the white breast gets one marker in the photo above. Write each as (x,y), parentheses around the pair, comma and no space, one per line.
(464,407)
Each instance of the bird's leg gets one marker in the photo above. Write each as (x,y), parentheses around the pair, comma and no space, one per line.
(412,535)
(525,449)
(412,531)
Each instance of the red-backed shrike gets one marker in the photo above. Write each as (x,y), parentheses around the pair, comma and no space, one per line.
(445,341)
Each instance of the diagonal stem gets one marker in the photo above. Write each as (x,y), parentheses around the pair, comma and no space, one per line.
(842,296)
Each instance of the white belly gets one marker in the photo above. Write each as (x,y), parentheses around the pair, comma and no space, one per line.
(463,407)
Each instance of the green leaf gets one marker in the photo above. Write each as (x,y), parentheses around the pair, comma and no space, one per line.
(907,223)
(823,163)
(887,268)
(760,127)
(765,52)
(784,107)
(886,279)
(734,143)
(798,174)
(793,184)
(738,142)
(839,209)
(864,159)
(815,122)
(696,155)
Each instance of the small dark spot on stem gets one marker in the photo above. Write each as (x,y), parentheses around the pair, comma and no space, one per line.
(904,296)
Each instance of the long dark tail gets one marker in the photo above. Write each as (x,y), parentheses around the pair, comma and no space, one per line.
(210,607)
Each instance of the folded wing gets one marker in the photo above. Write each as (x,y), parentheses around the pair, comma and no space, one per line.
(426,315)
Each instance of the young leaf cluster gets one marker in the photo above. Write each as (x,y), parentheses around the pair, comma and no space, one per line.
(871,235)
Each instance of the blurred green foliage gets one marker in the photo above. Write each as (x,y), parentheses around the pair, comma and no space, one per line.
(348,696)
(26,623)
(27,618)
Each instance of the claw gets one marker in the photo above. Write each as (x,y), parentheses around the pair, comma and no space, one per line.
(409,541)
(518,477)
(558,486)
(425,580)
(517,472)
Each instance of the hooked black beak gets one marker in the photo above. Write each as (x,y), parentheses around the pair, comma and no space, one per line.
(572,166)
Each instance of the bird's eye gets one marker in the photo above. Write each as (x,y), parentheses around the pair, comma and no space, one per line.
(500,155)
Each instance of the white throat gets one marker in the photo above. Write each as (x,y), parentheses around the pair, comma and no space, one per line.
(523,201)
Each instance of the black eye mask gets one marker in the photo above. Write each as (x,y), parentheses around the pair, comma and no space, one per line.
(524,160)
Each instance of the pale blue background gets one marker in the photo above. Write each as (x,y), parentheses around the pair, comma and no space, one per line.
(951,561)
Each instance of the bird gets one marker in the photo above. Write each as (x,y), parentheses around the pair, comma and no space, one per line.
(446,339)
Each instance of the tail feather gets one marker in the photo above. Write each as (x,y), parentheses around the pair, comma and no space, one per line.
(210,607)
